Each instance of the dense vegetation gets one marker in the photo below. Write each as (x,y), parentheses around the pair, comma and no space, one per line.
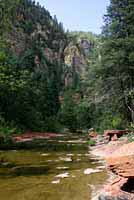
(115,75)
(30,81)
(32,71)
(108,86)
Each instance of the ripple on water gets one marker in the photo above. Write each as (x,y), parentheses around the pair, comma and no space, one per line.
(64,179)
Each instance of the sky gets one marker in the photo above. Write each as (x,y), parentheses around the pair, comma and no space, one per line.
(78,15)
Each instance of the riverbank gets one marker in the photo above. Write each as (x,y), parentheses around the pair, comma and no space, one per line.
(119,158)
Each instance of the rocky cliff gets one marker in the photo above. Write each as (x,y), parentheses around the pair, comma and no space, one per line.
(39,41)
(32,27)
(77,55)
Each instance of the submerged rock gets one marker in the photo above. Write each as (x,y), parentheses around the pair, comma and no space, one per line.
(70,154)
(90,171)
(29,136)
(62,168)
(56,181)
(64,175)
(73,176)
(45,154)
(49,160)
(67,159)
(101,167)
(29,170)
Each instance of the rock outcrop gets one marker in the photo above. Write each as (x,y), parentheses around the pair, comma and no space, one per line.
(93,135)
(77,55)
(29,136)
(113,135)
(121,163)
(32,26)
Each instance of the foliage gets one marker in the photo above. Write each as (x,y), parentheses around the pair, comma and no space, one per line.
(109,84)
(117,66)
(7,130)
(75,114)
(29,89)
(54,125)
(130,135)
(91,143)
(84,115)
(67,114)
(77,35)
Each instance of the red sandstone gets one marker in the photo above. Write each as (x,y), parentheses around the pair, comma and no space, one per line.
(34,135)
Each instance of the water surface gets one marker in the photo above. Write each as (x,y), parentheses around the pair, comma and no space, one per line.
(32,174)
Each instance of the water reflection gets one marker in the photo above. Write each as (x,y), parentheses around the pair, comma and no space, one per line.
(41,175)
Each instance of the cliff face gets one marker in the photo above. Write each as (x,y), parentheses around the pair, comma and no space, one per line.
(77,55)
(39,41)
(33,27)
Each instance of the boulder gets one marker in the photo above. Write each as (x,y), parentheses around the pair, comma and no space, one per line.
(114,134)
(93,134)
(115,191)
(114,137)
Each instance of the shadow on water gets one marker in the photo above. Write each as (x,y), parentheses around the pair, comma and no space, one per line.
(57,173)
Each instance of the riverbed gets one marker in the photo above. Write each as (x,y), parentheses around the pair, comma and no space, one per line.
(69,174)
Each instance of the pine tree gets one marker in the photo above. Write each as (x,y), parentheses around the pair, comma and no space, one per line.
(117,71)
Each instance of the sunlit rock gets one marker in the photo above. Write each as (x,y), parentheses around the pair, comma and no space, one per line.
(56,181)
(90,171)
(62,167)
(49,160)
(70,154)
(64,175)
(67,159)
(121,162)
(73,176)
(45,154)
(101,167)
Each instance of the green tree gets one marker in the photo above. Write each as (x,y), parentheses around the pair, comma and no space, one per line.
(117,63)
(67,114)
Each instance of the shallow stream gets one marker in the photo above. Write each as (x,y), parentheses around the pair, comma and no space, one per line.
(71,174)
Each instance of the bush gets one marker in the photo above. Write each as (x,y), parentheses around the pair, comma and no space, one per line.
(131,133)
(53,125)
(91,143)
(7,130)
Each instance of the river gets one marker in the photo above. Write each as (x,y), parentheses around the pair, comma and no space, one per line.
(55,174)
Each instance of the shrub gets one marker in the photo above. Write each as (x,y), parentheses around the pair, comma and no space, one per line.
(91,143)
